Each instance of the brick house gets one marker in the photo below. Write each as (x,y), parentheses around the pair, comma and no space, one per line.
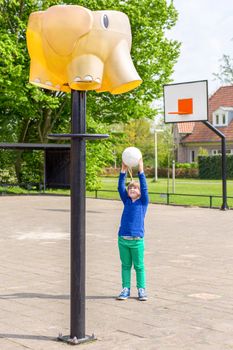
(191,136)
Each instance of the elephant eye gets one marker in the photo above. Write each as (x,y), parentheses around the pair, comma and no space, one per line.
(105,21)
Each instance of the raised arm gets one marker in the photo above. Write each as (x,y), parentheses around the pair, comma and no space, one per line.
(121,183)
(143,184)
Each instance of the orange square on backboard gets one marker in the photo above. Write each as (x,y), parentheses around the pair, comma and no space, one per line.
(185,106)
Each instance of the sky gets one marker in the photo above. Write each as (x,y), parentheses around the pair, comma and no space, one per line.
(205,29)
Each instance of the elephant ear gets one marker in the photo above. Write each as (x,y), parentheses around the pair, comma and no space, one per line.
(63,25)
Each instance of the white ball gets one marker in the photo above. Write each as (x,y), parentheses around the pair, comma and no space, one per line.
(131,156)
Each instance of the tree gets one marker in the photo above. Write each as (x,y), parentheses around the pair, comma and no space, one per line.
(140,133)
(225,74)
(166,147)
(136,133)
(29,114)
(153,55)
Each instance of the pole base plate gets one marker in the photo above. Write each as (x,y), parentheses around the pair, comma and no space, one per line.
(75,341)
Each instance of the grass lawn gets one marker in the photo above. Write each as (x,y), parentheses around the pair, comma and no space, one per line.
(182,186)
(157,191)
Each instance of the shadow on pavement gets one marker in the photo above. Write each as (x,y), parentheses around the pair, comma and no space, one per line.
(49,296)
(27,336)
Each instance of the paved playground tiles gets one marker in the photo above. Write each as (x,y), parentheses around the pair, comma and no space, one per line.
(189,272)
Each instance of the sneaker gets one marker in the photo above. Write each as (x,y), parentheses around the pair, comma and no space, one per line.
(142,294)
(125,293)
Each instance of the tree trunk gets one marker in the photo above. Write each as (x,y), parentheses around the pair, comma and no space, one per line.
(22,138)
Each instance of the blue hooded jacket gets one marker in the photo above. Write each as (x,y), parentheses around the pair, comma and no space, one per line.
(132,219)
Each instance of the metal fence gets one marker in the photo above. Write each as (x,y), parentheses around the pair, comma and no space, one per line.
(167,198)
(201,200)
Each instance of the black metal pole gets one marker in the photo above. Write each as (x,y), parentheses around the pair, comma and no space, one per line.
(224,175)
(45,160)
(224,164)
(78,212)
(78,138)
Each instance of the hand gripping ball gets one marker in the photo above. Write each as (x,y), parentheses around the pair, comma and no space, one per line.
(131,156)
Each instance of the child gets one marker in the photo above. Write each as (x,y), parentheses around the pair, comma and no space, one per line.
(131,231)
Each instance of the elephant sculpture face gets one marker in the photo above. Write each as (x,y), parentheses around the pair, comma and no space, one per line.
(72,47)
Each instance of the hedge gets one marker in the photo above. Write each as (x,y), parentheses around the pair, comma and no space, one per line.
(210,167)
(162,172)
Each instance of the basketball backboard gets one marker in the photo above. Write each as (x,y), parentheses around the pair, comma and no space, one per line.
(186,102)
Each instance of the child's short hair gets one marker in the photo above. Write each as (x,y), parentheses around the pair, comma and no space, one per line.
(133,184)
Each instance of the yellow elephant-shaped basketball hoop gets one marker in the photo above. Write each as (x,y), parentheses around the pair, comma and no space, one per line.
(72,47)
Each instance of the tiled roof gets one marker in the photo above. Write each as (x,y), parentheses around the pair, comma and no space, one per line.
(223,97)
(185,128)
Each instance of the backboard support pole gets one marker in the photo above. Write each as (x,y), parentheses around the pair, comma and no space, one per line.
(224,164)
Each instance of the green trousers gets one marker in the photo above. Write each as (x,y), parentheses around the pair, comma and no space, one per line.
(132,252)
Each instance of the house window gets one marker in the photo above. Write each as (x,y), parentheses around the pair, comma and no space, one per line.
(216,152)
(224,119)
(192,156)
(220,119)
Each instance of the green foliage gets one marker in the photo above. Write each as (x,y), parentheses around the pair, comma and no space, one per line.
(31,170)
(187,173)
(186,165)
(7,171)
(165,147)
(140,133)
(7,176)
(203,152)
(210,167)
(136,133)
(99,154)
(181,173)
(225,74)
(29,114)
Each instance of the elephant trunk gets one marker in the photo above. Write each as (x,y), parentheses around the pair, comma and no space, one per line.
(120,74)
